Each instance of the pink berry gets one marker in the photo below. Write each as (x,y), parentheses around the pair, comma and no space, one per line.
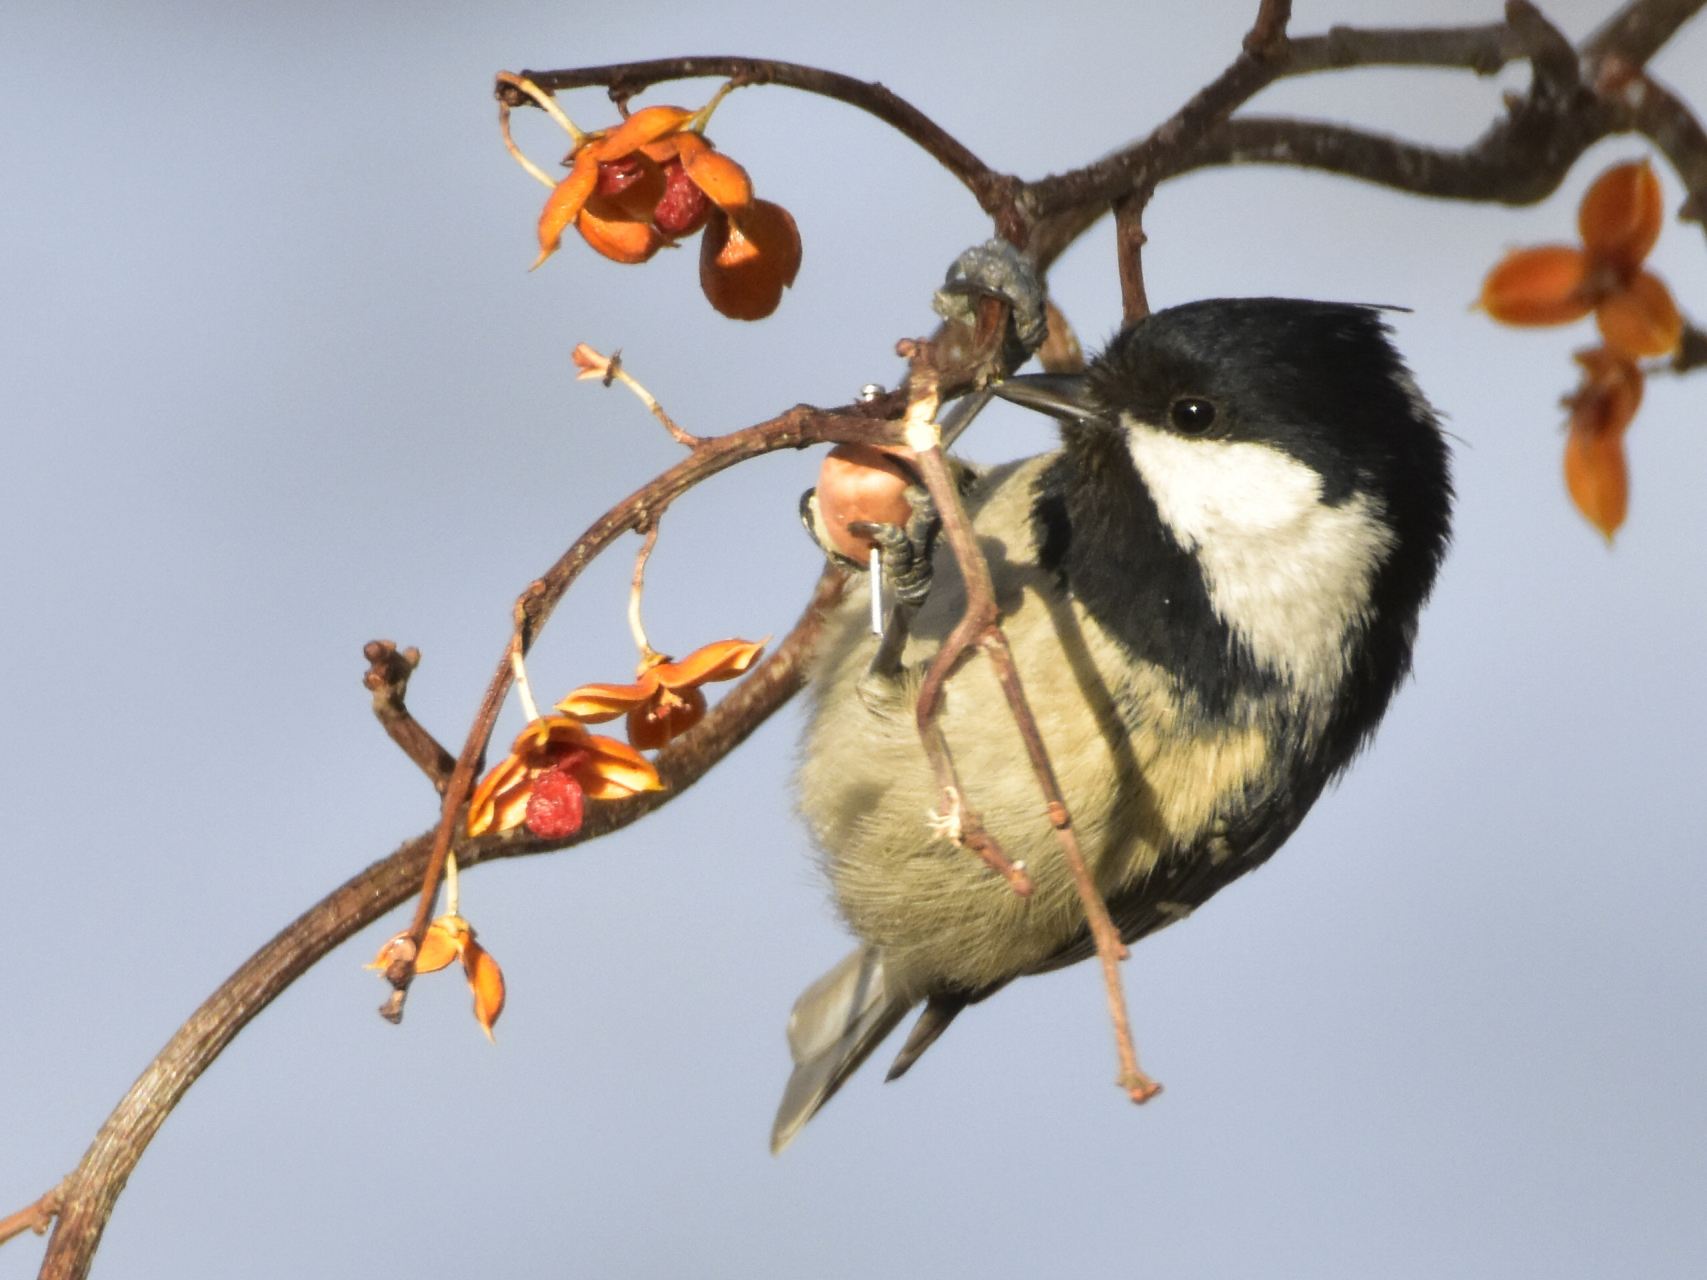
(684,207)
(556,805)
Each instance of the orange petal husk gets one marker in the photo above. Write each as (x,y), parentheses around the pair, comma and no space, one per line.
(1596,474)
(549,735)
(1598,477)
(1538,286)
(722,660)
(596,703)
(486,980)
(589,362)
(653,725)
(678,146)
(614,770)
(642,127)
(772,228)
(724,181)
(1621,215)
(443,944)
(750,289)
(501,798)
(565,203)
(619,239)
(1641,320)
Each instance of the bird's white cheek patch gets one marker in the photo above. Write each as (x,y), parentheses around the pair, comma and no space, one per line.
(1289,574)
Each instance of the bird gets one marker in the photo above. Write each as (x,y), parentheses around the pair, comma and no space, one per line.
(1211,591)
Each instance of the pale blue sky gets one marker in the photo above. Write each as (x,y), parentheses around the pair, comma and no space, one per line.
(277,382)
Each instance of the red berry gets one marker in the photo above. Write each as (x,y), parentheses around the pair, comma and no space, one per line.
(617,176)
(683,208)
(556,805)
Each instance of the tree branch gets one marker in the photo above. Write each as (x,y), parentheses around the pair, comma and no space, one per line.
(1663,118)
(799,427)
(387,678)
(1107,180)
(37,1217)
(92,1190)
(1129,252)
(1573,102)
(980,628)
(1638,31)
(994,191)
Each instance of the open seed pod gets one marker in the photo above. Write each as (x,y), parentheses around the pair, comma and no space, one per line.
(859,482)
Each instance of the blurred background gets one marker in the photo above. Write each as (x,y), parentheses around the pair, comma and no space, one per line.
(277,382)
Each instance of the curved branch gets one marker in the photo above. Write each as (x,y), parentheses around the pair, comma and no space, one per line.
(994,191)
(1662,117)
(90,1193)
(1637,31)
(799,427)
(1161,155)
(1259,64)
(1520,160)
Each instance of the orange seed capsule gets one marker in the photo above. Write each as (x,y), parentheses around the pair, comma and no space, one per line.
(1641,320)
(1538,287)
(1621,215)
(860,483)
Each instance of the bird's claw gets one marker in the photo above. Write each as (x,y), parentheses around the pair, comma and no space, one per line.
(906,548)
(996,269)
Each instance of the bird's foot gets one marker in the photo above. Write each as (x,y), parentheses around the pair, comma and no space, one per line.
(997,269)
(906,548)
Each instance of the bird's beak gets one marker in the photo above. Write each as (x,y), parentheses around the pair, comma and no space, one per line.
(1062,395)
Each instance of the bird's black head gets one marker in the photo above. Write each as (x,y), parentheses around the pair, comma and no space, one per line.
(1318,380)
(1253,489)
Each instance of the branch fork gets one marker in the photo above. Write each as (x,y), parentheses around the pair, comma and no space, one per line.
(980,628)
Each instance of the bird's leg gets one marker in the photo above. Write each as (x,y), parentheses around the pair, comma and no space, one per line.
(905,555)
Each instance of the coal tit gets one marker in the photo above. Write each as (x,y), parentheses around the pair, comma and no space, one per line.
(1211,591)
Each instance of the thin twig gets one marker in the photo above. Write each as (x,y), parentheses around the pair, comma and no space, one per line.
(608,369)
(93,1189)
(1267,36)
(524,690)
(638,585)
(993,191)
(957,818)
(523,88)
(387,678)
(1129,241)
(980,627)
(37,1217)
(514,150)
(797,428)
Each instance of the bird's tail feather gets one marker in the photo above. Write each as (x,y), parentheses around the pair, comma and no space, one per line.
(836,1024)
(940,1010)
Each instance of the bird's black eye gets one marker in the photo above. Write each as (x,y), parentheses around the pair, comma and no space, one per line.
(1192,415)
